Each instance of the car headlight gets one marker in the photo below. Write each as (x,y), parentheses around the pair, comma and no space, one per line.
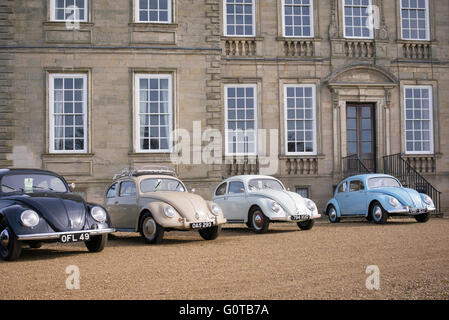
(394,202)
(428,200)
(169,211)
(29,218)
(310,205)
(215,209)
(275,206)
(99,214)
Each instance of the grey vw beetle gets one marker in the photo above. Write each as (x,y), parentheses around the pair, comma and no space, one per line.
(258,200)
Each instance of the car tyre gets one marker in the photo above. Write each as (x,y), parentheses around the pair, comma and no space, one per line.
(10,247)
(97,243)
(306,225)
(151,231)
(258,221)
(423,217)
(211,233)
(378,214)
(332,215)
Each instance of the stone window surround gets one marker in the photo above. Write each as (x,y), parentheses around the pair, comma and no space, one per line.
(304,187)
(52,137)
(255,15)
(435,114)
(163,155)
(343,20)
(159,76)
(259,120)
(255,86)
(88,73)
(318,122)
(314,128)
(172,24)
(89,15)
(431,23)
(314,23)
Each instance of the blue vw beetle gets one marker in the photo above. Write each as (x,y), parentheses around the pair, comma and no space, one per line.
(376,197)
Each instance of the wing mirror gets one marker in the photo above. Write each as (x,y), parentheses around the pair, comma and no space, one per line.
(288,189)
(193,190)
(72,186)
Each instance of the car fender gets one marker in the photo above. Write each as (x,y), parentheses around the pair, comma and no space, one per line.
(334,203)
(12,216)
(383,199)
(264,203)
(156,208)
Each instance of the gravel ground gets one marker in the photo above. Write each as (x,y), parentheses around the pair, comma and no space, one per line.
(327,262)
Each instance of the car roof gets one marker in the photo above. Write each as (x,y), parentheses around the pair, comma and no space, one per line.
(141,177)
(7,171)
(367,176)
(246,178)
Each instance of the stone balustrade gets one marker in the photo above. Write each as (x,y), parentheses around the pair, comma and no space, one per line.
(422,164)
(416,50)
(299,48)
(302,166)
(239,47)
(359,49)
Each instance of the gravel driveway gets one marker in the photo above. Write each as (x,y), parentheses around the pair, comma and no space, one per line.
(328,262)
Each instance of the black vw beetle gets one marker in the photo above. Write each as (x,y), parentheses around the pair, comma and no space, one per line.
(37,206)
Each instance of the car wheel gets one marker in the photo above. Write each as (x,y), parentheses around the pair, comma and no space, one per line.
(424,217)
(332,214)
(306,225)
(378,214)
(258,221)
(211,233)
(150,230)
(97,243)
(35,245)
(10,247)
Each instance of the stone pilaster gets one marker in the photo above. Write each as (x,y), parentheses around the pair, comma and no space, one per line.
(6,73)
(213,75)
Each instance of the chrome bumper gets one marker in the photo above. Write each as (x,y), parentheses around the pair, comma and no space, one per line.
(57,235)
(408,212)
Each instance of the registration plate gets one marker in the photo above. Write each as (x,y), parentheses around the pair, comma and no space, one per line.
(418,211)
(299,217)
(201,225)
(75,237)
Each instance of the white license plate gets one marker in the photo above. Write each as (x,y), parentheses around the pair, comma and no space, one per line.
(299,217)
(201,225)
(75,237)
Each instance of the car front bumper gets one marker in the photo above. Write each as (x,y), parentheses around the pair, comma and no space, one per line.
(57,235)
(290,218)
(411,212)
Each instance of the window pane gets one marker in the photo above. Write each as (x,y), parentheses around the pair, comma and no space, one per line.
(239,18)
(298,18)
(414,20)
(154,112)
(300,108)
(356,19)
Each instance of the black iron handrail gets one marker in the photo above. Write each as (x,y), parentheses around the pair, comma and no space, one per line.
(398,167)
(352,166)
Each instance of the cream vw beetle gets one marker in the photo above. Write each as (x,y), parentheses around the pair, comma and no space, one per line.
(258,200)
(153,200)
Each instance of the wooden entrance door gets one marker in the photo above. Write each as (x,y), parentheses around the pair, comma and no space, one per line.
(361,133)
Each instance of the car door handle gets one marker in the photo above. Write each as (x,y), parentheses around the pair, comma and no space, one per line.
(225,198)
(116,202)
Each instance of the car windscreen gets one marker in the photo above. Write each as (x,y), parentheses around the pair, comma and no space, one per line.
(29,183)
(154,184)
(261,184)
(383,182)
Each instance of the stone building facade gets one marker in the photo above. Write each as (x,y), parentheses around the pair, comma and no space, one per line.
(76,97)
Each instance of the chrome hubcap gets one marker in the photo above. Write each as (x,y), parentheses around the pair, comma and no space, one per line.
(333,214)
(377,213)
(258,220)
(4,238)
(149,228)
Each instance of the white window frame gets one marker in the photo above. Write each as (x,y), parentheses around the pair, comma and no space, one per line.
(431,129)
(314,126)
(53,12)
(52,77)
(371,36)
(137,13)
(225,19)
(312,22)
(137,77)
(255,88)
(427,23)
